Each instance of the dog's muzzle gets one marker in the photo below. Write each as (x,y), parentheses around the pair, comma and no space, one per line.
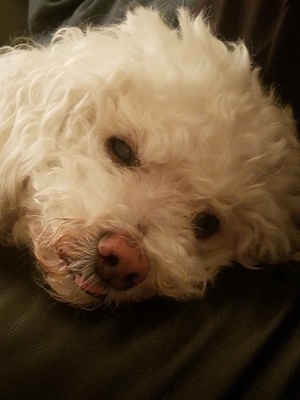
(119,265)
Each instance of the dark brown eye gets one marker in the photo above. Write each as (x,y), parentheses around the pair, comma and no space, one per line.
(121,152)
(205,224)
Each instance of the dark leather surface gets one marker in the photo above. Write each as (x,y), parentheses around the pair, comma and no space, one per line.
(13,20)
(242,341)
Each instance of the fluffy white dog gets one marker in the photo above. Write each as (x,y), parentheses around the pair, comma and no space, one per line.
(137,160)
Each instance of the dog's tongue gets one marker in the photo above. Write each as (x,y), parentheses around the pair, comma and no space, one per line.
(92,288)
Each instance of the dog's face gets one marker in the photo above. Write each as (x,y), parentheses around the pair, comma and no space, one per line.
(130,211)
(158,160)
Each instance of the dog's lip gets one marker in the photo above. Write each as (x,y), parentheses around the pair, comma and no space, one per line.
(93,289)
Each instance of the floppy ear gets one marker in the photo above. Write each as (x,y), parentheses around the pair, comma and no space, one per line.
(267,232)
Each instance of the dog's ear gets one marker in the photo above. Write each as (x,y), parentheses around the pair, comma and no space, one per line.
(265,234)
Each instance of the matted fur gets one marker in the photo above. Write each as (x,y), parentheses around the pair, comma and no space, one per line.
(206,134)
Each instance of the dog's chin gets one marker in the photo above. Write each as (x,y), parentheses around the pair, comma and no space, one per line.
(86,292)
(90,296)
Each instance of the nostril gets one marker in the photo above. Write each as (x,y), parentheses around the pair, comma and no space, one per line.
(110,260)
(131,280)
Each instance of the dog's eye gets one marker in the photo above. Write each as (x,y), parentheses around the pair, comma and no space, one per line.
(205,224)
(121,152)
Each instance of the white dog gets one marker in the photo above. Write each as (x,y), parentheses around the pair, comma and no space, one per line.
(137,160)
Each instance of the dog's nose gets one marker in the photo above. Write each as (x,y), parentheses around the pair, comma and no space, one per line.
(119,264)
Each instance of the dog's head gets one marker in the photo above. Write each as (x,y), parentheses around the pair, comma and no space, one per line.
(154,158)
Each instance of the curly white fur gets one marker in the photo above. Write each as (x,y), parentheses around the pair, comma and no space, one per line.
(207,135)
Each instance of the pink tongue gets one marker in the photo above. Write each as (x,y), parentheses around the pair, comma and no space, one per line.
(92,288)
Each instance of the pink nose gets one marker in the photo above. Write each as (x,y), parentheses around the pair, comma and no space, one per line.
(119,264)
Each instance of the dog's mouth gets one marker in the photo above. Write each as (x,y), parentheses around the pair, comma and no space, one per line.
(90,288)
(95,289)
